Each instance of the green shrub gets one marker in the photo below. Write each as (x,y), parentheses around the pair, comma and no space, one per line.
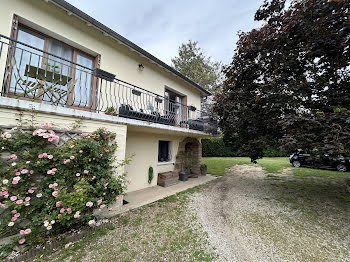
(47,189)
(215,147)
(274,152)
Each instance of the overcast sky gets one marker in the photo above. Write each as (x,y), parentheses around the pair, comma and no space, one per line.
(160,26)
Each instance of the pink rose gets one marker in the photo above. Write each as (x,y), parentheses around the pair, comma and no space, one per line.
(39,195)
(14,211)
(18,173)
(49,172)
(13,198)
(99,202)
(51,186)
(40,156)
(54,169)
(55,194)
(20,201)
(13,219)
(86,172)
(102,206)
(31,172)
(62,210)
(24,171)
(77,214)
(69,210)
(45,154)
(72,146)
(13,157)
(72,157)
(17,215)
(89,204)
(21,241)
(27,231)
(58,204)
(14,182)
(27,199)
(30,191)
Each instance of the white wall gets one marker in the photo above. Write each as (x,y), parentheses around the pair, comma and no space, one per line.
(115,58)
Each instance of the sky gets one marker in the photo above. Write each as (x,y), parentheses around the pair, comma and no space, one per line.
(160,27)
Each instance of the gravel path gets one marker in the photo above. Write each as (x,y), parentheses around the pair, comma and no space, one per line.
(246,221)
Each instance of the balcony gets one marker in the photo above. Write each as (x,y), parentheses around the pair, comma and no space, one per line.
(31,74)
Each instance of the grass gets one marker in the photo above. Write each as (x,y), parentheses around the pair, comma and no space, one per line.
(162,231)
(218,165)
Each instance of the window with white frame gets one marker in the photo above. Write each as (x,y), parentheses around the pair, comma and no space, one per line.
(164,151)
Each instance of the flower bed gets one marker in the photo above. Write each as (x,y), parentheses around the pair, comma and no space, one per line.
(47,189)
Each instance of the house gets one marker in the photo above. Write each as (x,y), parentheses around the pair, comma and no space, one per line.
(62,64)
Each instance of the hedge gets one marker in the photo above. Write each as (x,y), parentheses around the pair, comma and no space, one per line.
(215,147)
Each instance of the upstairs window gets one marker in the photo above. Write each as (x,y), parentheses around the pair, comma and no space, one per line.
(164,151)
(63,78)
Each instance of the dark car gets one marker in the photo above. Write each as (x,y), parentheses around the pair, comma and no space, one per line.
(301,158)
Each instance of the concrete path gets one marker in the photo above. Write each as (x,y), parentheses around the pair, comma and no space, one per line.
(149,195)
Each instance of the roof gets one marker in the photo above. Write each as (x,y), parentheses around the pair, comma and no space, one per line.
(106,30)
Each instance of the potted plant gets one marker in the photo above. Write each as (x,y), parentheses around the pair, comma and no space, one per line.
(111,111)
(186,161)
(204,169)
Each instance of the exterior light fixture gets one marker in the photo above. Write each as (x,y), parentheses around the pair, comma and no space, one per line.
(141,67)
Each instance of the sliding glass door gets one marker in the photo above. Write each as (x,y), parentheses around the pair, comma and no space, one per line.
(174,106)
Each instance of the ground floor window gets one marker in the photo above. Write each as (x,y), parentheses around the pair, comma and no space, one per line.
(164,151)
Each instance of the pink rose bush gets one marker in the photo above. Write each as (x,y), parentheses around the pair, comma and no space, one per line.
(47,188)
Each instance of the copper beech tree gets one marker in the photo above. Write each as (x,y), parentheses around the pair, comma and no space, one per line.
(289,81)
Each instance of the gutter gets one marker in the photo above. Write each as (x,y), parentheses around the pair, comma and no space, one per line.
(107,31)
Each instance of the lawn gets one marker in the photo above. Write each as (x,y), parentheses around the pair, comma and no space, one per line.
(217,165)
(163,231)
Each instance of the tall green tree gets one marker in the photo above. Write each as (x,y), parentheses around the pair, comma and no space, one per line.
(193,63)
(289,80)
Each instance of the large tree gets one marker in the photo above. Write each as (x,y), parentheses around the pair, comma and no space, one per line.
(289,81)
(193,63)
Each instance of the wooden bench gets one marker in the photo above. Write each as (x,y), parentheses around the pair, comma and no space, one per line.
(166,179)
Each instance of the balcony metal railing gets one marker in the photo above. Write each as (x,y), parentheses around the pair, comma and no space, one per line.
(29,73)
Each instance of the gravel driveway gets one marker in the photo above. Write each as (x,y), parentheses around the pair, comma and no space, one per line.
(247,220)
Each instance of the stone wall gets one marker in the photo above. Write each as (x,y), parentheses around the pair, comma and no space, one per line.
(193,145)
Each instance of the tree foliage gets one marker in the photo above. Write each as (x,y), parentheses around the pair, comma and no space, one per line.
(289,80)
(193,63)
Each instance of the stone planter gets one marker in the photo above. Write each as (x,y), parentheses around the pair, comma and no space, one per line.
(204,170)
(183,176)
